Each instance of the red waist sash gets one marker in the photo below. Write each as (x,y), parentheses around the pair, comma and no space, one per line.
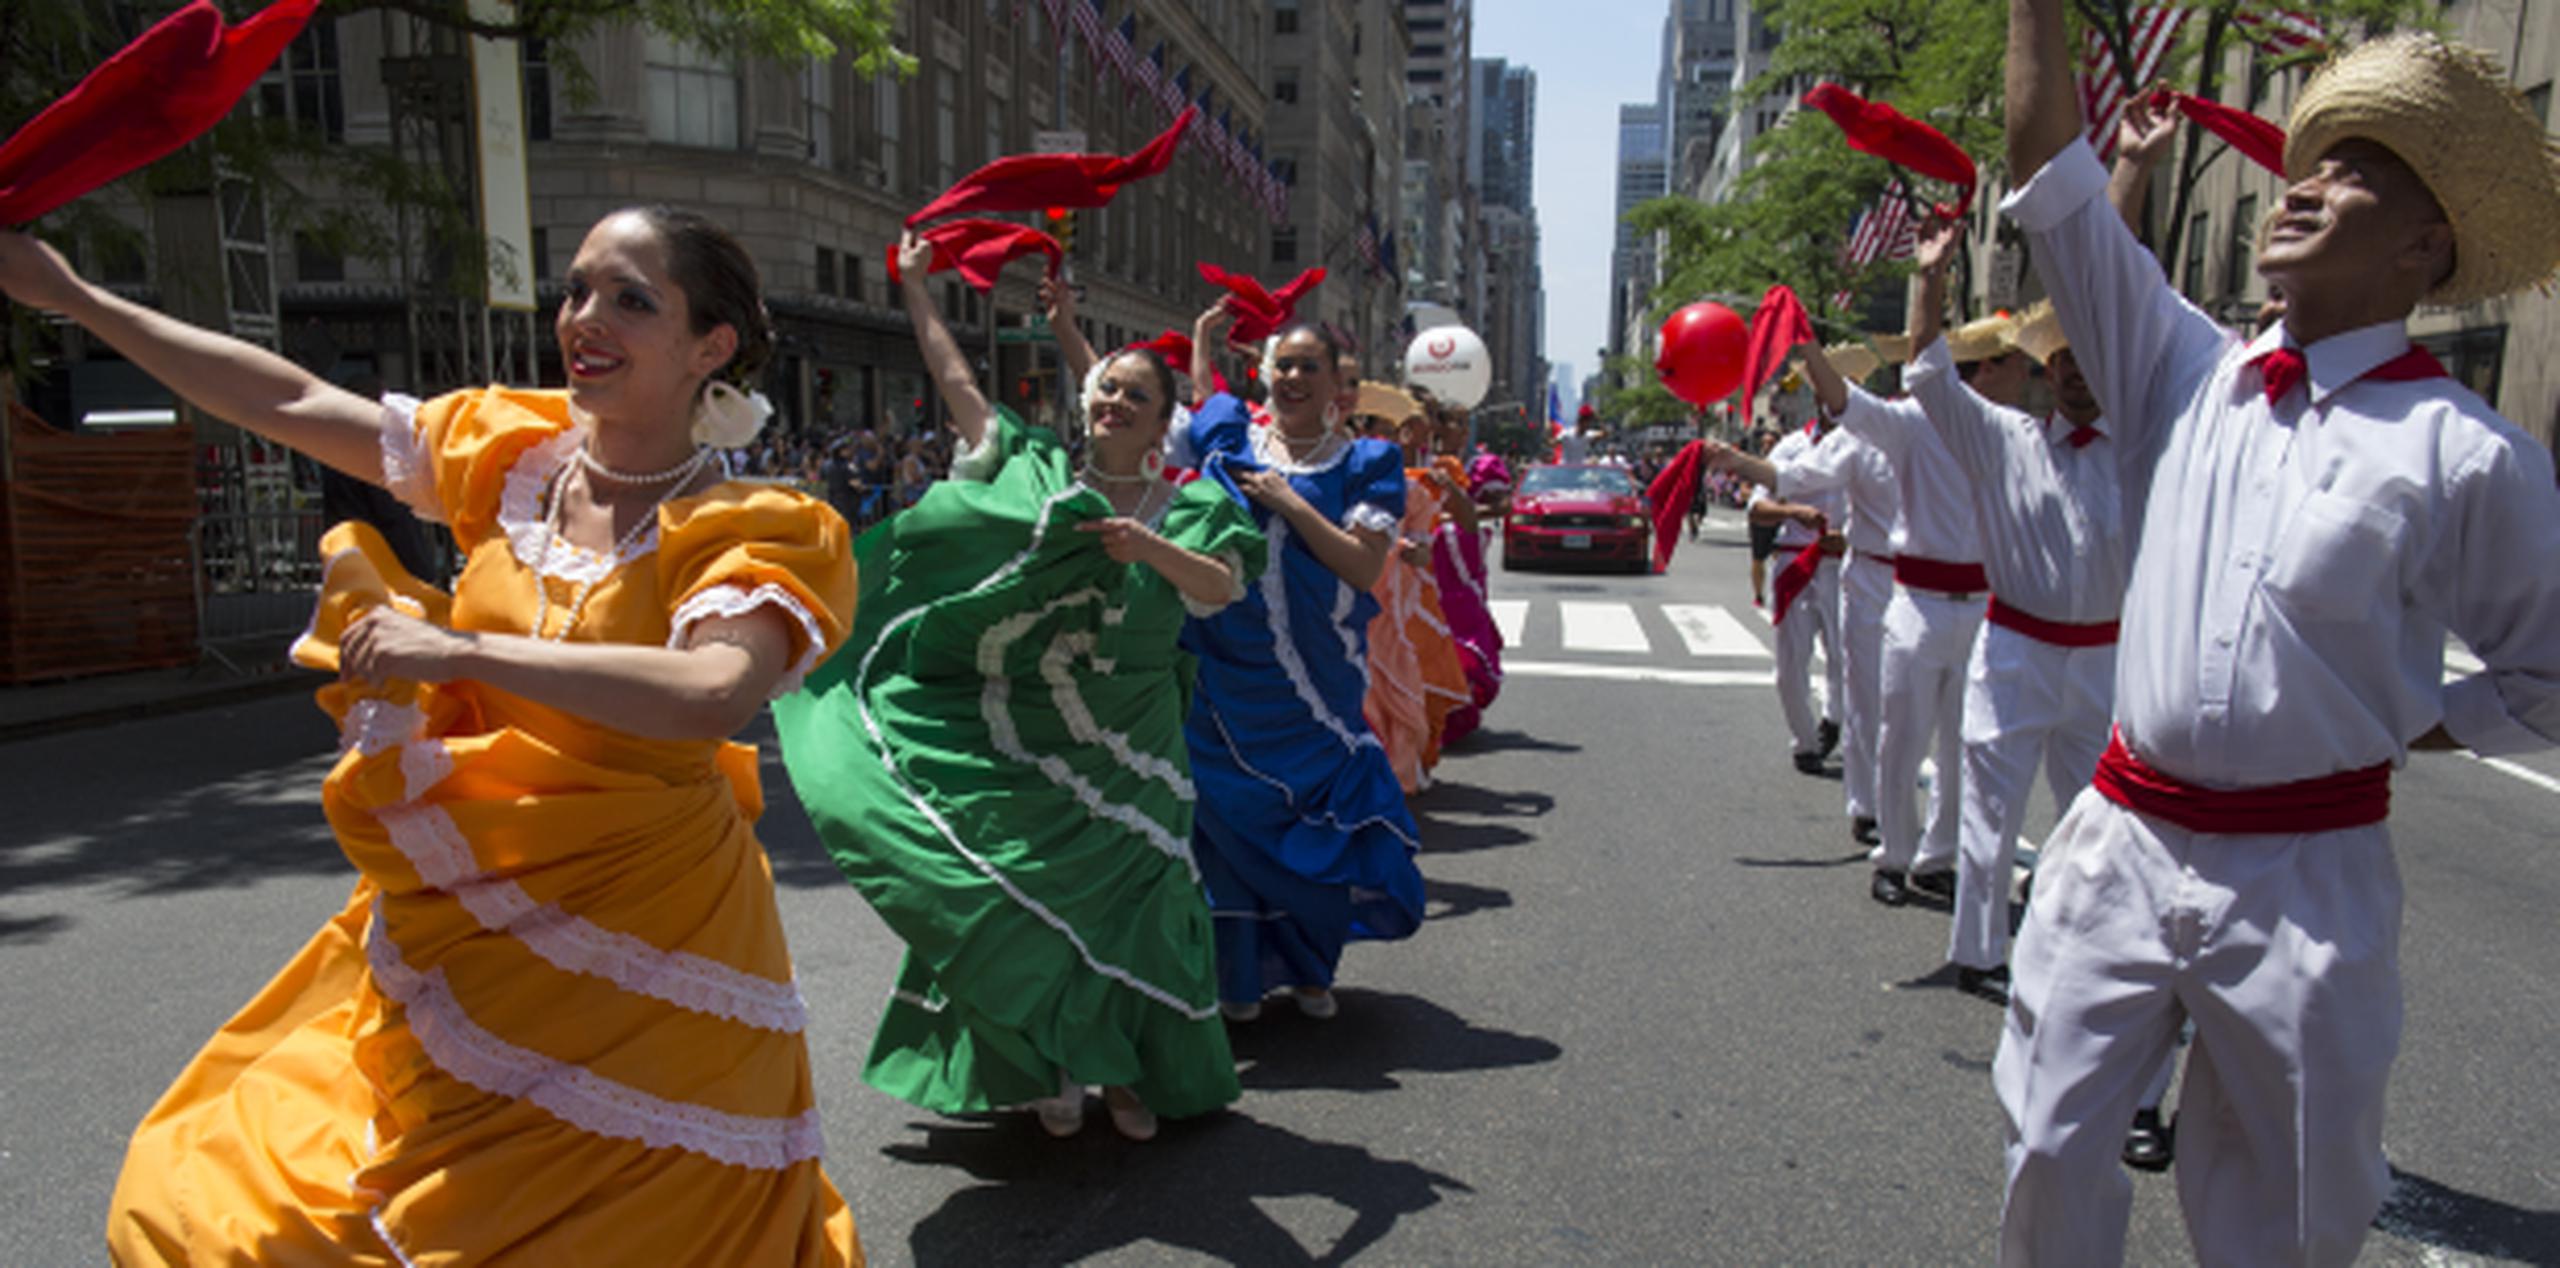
(2348,799)
(1921,573)
(2058,633)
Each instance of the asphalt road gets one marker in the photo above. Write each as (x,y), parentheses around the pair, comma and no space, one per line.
(1653,1019)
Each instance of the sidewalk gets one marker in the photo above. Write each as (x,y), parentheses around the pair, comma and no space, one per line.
(78,703)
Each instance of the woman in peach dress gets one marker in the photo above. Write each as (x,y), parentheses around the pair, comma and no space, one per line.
(555,1022)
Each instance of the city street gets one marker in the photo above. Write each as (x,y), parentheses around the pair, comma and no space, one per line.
(1654,1017)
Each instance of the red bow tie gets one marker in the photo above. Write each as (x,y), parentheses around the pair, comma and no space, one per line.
(2282,368)
(2084,435)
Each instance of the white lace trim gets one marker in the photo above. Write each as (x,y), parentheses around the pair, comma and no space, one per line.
(520,514)
(729,600)
(1234,561)
(577,1096)
(980,462)
(942,827)
(423,765)
(1371,516)
(405,468)
(1284,643)
(373,726)
(914,1000)
(995,700)
(1270,451)
(436,847)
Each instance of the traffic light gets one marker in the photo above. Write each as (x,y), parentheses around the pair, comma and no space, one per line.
(1062,226)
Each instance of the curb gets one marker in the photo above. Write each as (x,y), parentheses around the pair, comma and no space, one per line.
(257,688)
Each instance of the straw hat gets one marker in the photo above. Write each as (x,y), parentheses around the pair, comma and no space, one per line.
(1983,338)
(1895,349)
(2040,332)
(2449,114)
(1385,402)
(1853,361)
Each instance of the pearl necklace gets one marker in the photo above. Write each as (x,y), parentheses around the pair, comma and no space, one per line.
(551,533)
(587,458)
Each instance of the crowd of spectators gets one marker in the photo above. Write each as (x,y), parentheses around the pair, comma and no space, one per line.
(863,474)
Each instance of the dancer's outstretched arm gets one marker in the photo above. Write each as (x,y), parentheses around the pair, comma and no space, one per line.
(952,376)
(235,381)
(1058,300)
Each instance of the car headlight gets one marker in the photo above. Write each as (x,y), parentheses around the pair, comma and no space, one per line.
(1635,521)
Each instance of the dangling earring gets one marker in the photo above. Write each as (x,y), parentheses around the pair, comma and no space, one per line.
(1152,463)
(726,418)
(1333,417)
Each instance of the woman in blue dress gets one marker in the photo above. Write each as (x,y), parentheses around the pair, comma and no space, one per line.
(1302,834)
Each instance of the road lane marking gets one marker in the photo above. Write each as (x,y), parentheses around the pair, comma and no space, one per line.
(1637,673)
(1603,627)
(1512,616)
(1709,630)
(2518,769)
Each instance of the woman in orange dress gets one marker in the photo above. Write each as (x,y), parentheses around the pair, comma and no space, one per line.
(555,1022)
(1415,679)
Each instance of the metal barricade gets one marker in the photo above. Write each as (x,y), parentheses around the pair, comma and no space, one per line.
(257,573)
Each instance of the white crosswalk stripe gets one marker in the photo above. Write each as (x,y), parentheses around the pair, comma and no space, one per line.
(1512,617)
(1603,627)
(1709,630)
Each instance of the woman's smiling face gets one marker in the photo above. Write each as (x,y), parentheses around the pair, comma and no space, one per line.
(626,329)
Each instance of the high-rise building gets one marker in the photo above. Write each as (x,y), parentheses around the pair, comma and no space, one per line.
(1698,52)
(1438,209)
(1501,148)
(1328,144)
(1745,117)
(1502,155)
(1643,175)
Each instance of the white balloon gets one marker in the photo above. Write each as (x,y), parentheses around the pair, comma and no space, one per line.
(1452,362)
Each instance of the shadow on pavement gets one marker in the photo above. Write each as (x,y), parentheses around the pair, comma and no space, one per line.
(1379,1035)
(1223,1186)
(1467,799)
(1490,740)
(2432,1214)
(1843,861)
(1446,900)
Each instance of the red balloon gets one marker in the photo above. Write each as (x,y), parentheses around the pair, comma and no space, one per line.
(1702,347)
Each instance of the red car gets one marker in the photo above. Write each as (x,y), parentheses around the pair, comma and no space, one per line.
(1584,512)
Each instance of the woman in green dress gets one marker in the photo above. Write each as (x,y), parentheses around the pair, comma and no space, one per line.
(996,757)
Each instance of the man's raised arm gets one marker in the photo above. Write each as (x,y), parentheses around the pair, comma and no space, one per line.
(2043,106)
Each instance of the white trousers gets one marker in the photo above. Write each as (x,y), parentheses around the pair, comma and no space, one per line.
(2285,953)
(1928,642)
(1866,587)
(1814,614)
(2024,699)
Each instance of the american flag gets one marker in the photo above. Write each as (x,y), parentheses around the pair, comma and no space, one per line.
(1121,47)
(2281,31)
(1366,242)
(2104,90)
(1884,231)
(1057,17)
(1088,20)
(1151,72)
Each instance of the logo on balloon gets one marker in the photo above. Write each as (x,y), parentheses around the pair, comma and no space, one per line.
(1442,347)
(1451,361)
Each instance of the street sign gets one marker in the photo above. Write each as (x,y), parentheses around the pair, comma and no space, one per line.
(1070,141)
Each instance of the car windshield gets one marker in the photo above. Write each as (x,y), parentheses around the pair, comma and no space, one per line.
(1586,481)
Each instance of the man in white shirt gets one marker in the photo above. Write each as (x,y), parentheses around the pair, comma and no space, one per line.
(1804,606)
(1929,624)
(2041,683)
(1845,465)
(2314,510)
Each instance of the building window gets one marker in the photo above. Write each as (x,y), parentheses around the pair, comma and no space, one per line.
(821,100)
(693,96)
(853,275)
(541,252)
(826,271)
(1284,87)
(303,85)
(2191,275)
(313,261)
(2244,246)
(946,124)
(1284,246)
(1284,19)
(534,64)
(2473,357)
(115,258)
(886,130)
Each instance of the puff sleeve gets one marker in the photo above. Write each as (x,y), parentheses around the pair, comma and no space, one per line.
(1377,493)
(454,459)
(747,547)
(1222,425)
(1206,518)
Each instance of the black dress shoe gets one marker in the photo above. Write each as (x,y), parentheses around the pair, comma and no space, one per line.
(1862,829)
(1991,984)
(2151,1145)
(1888,888)
(1809,763)
(1938,884)
(1827,735)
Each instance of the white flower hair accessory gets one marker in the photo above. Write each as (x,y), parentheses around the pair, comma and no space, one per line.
(1092,384)
(726,418)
